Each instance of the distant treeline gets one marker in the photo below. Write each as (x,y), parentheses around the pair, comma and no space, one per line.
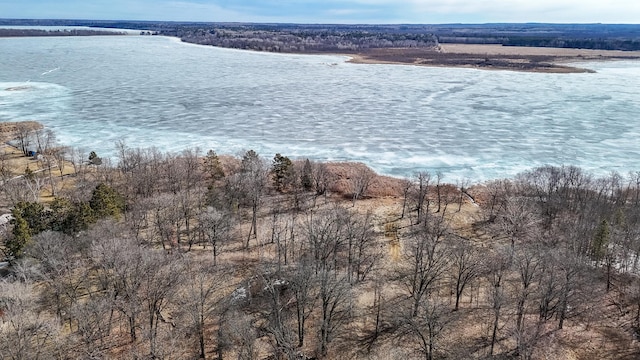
(544,41)
(595,44)
(298,40)
(577,36)
(323,37)
(66,32)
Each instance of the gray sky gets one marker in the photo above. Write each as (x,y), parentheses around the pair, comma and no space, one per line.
(332,11)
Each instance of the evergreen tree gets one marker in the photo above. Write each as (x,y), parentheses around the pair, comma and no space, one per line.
(38,218)
(80,216)
(71,218)
(213,167)
(600,241)
(60,209)
(307,176)
(106,201)
(250,162)
(20,236)
(282,171)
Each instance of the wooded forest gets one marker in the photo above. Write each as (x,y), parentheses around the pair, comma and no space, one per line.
(360,37)
(68,32)
(198,255)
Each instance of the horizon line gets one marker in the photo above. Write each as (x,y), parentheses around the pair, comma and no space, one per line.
(320,23)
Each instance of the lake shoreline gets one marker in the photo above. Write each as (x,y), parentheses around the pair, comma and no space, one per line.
(484,57)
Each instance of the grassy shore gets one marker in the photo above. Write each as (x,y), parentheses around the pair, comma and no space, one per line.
(493,57)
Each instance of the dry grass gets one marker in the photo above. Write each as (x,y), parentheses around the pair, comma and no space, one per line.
(605,336)
(9,129)
(16,163)
(492,50)
(491,57)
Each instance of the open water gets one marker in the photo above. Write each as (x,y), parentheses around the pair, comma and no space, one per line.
(466,123)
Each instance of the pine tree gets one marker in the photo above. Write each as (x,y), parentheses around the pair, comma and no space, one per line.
(250,162)
(600,241)
(21,235)
(282,171)
(79,218)
(213,167)
(307,176)
(106,201)
(38,218)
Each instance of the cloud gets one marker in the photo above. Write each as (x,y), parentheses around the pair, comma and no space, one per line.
(528,11)
(328,11)
(439,11)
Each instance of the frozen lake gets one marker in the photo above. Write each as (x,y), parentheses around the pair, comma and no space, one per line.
(466,123)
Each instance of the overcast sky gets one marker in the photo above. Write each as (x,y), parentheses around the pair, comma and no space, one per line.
(332,11)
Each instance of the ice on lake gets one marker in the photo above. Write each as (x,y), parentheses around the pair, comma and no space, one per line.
(466,123)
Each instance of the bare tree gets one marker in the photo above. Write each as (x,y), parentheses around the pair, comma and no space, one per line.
(77,159)
(192,191)
(439,195)
(59,155)
(325,237)
(426,259)
(33,181)
(321,180)
(46,143)
(216,226)
(160,276)
(61,269)
(420,195)
(335,306)
(91,327)
(362,250)
(201,300)
(144,171)
(527,265)
(570,267)
(427,327)
(17,190)
(241,332)
(549,287)
(406,190)
(360,182)
(465,266)
(26,332)
(254,180)
(496,296)
(24,135)
(117,261)
(302,286)
(498,192)
(139,220)
(277,319)
(517,220)
(166,218)
(462,191)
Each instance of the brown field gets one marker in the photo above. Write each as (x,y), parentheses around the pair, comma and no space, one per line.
(493,57)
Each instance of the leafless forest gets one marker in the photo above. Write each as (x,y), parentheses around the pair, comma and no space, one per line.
(198,255)
(71,32)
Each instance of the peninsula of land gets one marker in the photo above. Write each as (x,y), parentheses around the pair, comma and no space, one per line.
(493,57)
